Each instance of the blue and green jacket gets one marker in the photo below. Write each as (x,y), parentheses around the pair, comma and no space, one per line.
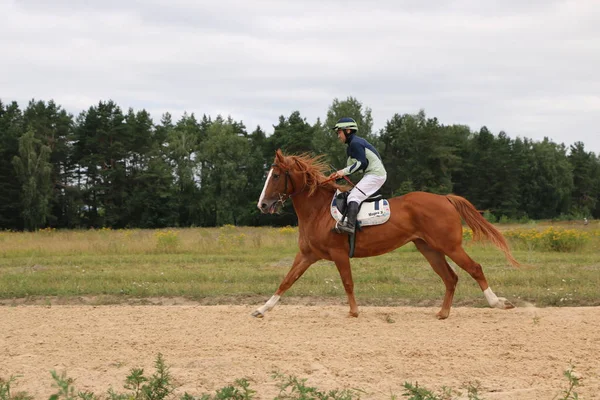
(362,156)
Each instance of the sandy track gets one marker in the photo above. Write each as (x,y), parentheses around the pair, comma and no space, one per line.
(515,354)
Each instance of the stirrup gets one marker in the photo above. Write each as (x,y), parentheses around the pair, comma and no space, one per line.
(343,228)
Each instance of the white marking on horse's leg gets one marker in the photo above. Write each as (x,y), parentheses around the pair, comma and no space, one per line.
(262,195)
(495,301)
(491,297)
(267,306)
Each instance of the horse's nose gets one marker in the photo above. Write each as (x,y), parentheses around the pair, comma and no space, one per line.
(262,206)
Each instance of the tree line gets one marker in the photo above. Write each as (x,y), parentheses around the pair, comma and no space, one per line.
(110,168)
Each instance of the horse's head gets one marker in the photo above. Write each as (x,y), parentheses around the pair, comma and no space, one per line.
(279,185)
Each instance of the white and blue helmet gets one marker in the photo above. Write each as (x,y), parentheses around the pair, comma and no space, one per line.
(346,123)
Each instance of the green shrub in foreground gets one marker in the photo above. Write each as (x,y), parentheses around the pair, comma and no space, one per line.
(5,393)
(291,387)
(160,386)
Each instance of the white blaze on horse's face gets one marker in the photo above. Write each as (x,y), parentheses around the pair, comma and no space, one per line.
(262,204)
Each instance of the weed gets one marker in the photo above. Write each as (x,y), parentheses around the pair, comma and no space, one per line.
(157,387)
(473,390)
(66,390)
(240,390)
(553,239)
(5,393)
(167,241)
(415,392)
(574,381)
(160,387)
(291,387)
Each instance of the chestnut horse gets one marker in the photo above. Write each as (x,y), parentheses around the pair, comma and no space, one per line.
(431,221)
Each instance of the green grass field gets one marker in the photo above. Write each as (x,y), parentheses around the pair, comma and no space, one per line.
(243,264)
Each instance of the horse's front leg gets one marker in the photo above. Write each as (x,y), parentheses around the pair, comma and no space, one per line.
(301,264)
(342,262)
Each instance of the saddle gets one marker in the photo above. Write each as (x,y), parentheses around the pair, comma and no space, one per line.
(374,210)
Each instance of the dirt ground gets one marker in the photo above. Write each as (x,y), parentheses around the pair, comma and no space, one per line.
(514,354)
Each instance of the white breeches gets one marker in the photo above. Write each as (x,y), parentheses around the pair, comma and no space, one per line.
(369,184)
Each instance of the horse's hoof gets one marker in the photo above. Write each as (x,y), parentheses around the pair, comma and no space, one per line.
(257,314)
(505,304)
(353,314)
(442,314)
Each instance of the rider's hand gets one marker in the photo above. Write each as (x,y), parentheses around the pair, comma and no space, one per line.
(336,175)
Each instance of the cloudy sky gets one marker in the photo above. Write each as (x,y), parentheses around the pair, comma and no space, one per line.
(529,68)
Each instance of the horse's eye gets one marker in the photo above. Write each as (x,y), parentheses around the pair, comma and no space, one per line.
(275,176)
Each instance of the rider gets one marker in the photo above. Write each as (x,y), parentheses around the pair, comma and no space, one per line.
(362,156)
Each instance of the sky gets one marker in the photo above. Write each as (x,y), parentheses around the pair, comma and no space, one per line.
(529,68)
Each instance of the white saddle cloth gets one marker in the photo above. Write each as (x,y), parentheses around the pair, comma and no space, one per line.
(370,213)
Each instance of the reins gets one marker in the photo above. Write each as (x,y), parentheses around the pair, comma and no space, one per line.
(283,197)
(347,180)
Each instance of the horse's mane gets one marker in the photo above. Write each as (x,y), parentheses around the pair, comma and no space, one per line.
(314,171)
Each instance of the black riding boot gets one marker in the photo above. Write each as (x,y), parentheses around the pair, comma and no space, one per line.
(349,223)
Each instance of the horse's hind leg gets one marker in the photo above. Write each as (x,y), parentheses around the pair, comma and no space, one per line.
(462,259)
(342,263)
(443,269)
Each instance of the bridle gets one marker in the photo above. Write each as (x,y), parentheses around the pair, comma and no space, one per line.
(283,197)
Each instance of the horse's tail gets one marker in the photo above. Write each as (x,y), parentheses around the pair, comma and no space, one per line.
(480,226)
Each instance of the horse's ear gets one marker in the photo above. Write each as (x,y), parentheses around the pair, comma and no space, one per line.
(279,156)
